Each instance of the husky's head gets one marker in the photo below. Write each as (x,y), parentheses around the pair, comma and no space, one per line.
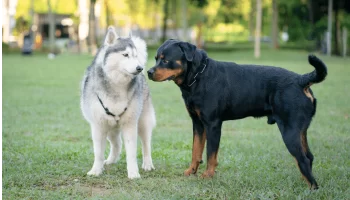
(121,56)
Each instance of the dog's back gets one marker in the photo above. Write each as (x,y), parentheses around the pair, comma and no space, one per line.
(250,89)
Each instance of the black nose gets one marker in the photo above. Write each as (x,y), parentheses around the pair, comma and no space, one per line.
(139,69)
(150,73)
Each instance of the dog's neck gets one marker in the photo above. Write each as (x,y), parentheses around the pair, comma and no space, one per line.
(192,71)
(118,83)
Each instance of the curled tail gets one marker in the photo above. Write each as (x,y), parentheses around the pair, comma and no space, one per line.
(316,76)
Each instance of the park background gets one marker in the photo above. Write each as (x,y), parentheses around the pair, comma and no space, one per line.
(47,147)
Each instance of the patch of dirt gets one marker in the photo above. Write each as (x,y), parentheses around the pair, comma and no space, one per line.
(94,190)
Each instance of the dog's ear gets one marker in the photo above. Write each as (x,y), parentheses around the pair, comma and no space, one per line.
(111,36)
(188,49)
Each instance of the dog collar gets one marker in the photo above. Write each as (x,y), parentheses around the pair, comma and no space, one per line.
(195,76)
(105,108)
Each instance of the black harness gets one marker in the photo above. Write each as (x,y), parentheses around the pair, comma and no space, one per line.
(105,108)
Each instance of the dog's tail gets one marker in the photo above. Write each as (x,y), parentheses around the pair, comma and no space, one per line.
(316,76)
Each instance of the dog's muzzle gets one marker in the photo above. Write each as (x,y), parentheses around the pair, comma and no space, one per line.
(150,73)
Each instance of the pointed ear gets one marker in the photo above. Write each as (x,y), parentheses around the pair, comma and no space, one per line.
(188,49)
(111,36)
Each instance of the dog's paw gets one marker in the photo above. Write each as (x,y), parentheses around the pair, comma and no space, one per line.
(147,166)
(189,171)
(95,172)
(133,175)
(208,174)
(109,161)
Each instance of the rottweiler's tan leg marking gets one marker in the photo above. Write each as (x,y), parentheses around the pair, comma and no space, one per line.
(211,165)
(197,151)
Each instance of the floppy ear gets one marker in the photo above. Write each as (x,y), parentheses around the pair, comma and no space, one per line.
(111,36)
(188,49)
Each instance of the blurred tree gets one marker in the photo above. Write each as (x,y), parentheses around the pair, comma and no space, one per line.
(258,28)
(184,19)
(274,35)
(51,18)
(329,35)
(165,19)
(251,18)
(108,21)
(199,17)
(92,28)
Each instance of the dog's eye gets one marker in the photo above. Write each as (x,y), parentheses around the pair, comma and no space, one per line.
(155,57)
(126,55)
(165,61)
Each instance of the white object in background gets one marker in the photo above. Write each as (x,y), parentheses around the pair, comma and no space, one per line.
(51,56)
(285,36)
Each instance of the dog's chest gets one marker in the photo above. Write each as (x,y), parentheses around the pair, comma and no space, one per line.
(110,110)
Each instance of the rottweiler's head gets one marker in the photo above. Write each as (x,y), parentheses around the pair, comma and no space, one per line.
(172,61)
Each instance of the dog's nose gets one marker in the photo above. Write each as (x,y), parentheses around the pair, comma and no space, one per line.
(139,69)
(150,73)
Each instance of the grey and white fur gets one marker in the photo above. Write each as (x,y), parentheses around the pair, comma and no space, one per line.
(115,78)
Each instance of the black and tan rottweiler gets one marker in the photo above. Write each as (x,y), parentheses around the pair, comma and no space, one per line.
(216,91)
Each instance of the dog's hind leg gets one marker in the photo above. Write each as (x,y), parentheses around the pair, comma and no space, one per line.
(99,143)
(293,139)
(306,148)
(146,124)
(115,140)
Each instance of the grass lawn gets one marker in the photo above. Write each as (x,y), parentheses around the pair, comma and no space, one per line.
(47,147)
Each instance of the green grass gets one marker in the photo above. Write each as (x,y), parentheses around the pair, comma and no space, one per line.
(47,147)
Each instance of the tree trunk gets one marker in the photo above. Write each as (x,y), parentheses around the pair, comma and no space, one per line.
(31,26)
(184,20)
(336,30)
(251,18)
(107,14)
(274,24)
(165,19)
(329,34)
(199,35)
(52,27)
(344,40)
(92,28)
(258,29)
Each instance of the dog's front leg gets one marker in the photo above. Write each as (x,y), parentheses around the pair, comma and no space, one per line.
(130,141)
(213,129)
(99,142)
(199,137)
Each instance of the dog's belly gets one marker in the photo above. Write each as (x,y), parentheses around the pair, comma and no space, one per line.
(240,114)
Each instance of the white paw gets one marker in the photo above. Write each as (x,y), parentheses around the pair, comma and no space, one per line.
(147,166)
(109,161)
(133,175)
(95,172)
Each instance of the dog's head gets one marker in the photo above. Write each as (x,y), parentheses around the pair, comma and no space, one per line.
(172,61)
(121,55)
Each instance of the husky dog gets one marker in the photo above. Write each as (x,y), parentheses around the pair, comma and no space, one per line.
(115,100)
